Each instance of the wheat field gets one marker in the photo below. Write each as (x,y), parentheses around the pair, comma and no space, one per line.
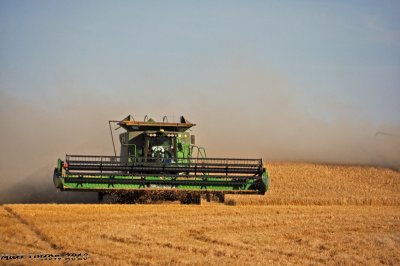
(323,184)
(313,214)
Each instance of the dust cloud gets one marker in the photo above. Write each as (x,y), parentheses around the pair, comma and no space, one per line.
(31,141)
(260,115)
(250,114)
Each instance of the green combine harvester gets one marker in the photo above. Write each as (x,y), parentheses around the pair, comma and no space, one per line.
(160,156)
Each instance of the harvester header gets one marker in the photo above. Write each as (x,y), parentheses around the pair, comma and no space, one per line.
(160,156)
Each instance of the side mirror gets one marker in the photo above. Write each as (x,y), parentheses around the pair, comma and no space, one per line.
(180,147)
(192,140)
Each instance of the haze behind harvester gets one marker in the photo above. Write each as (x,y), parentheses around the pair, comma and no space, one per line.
(158,156)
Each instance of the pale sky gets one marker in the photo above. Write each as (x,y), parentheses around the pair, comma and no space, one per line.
(342,51)
(288,65)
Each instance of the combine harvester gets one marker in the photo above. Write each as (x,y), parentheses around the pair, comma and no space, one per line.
(160,156)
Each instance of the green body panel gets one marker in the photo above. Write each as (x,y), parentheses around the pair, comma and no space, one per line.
(265,179)
(100,186)
(59,165)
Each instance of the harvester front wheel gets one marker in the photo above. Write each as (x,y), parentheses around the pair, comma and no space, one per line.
(100,196)
(191,199)
(221,197)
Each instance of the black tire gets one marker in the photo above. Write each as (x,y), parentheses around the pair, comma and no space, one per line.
(221,197)
(208,196)
(191,199)
(196,199)
(100,196)
(187,199)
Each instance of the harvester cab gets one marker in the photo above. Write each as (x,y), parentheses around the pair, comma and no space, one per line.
(154,141)
(158,156)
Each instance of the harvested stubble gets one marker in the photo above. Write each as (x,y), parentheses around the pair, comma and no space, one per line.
(211,234)
(215,234)
(323,184)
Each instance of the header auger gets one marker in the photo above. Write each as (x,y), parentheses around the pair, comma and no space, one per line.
(160,156)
